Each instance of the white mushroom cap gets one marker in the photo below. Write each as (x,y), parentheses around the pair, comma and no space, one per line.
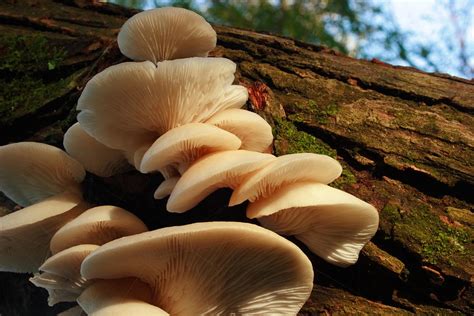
(67,263)
(165,188)
(25,234)
(62,274)
(304,167)
(185,144)
(94,156)
(31,172)
(166,33)
(121,297)
(254,132)
(59,289)
(132,104)
(211,172)
(334,224)
(215,268)
(97,226)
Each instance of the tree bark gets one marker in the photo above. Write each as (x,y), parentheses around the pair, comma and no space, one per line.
(405,139)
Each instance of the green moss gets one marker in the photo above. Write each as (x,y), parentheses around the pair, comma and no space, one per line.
(290,140)
(346,178)
(28,54)
(391,213)
(310,111)
(426,234)
(28,85)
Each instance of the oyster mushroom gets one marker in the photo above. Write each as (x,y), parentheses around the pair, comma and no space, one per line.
(183,145)
(25,234)
(211,172)
(97,226)
(61,275)
(254,132)
(334,224)
(166,33)
(93,155)
(210,268)
(42,174)
(121,297)
(303,167)
(31,172)
(132,104)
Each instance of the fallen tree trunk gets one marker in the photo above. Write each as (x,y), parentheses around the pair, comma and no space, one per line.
(404,137)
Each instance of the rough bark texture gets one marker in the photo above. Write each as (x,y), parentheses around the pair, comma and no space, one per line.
(404,137)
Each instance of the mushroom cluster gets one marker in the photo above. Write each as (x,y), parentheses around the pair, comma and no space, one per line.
(174,111)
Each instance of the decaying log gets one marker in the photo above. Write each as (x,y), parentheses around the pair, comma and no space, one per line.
(404,137)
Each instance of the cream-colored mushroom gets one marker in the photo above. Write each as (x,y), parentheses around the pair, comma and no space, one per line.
(61,275)
(182,145)
(132,104)
(165,188)
(97,226)
(31,172)
(303,167)
(166,33)
(25,234)
(121,297)
(216,268)
(211,172)
(334,224)
(254,132)
(93,155)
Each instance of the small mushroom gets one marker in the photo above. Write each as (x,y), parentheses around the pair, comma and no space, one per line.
(97,226)
(211,172)
(254,132)
(166,33)
(216,268)
(93,155)
(132,104)
(25,234)
(334,224)
(61,275)
(303,167)
(31,172)
(183,145)
(121,297)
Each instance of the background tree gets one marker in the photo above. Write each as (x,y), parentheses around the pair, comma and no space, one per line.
(359,28)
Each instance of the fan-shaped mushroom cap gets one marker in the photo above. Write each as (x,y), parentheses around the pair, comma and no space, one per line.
(216,268)
(334,224)
(185,144)
(304,167)
(25,234)
(62,274)
(254,132)
(211,172)
(131,104)
(97,226)
(166,33)
(94,156)
(67,263)
(31,172)
(165,188)
(121,297)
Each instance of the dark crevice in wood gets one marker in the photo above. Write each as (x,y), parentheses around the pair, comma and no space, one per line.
(421,181)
